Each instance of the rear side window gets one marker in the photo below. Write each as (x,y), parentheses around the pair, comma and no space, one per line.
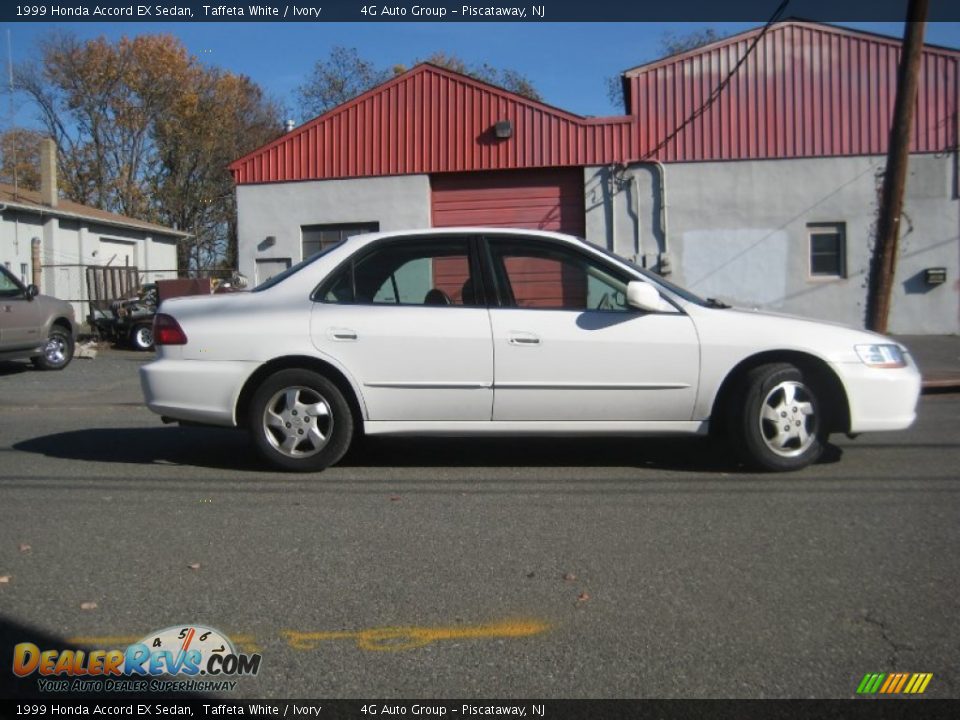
(280,277)
(407,273)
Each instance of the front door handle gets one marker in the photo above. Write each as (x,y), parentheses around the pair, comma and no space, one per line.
(523,338)
(342,334)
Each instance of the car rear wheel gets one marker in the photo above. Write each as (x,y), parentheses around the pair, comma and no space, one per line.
(141,337)
(300,421)
(57,351)
(779,424)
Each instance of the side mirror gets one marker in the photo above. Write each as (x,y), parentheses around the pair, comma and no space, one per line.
(644,296)
(32,291)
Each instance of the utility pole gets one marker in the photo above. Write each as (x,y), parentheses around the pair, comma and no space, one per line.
(885,250)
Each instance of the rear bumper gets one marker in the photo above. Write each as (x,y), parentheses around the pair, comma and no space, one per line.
(880,399)
(195,391)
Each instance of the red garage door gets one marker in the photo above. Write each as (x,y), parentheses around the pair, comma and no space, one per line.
(538,199)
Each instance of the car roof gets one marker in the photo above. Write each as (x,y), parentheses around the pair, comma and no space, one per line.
(365,238)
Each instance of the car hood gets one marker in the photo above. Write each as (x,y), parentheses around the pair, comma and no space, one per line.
(759,330)
(52,305)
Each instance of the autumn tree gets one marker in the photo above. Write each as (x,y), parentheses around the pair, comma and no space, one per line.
(144,129)
(223,117)
(20,158)
(343,75)
(100,101)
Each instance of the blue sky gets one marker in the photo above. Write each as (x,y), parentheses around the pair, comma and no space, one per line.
(568,62)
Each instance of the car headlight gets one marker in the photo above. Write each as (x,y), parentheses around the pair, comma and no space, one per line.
(881,356)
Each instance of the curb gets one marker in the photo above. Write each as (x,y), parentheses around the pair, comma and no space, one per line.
(940,383)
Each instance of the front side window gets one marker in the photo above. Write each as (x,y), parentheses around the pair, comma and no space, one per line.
(544,276)
(407,273)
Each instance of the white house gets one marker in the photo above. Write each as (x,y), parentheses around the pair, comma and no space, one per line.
(72,237)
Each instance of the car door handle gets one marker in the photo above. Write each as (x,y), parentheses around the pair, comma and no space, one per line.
(343,334)
(523,338)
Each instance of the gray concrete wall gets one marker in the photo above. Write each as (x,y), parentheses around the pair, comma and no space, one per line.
(280,209)
(738,231)
(17,229)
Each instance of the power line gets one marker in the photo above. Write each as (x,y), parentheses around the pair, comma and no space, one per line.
(712,98)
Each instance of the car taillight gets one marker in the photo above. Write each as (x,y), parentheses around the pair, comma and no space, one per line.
(167,331)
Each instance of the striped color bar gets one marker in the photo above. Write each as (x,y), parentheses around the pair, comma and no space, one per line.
(894,683)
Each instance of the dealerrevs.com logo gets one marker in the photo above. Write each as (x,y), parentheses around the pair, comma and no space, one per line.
(184,658)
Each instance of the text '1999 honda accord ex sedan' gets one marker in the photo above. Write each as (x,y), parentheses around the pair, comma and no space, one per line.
(476,331)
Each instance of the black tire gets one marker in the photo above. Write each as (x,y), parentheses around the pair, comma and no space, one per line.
(313,433)
(776,420)
(57,351)
(141,337)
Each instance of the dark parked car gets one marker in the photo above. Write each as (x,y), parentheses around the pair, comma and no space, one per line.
(34,326)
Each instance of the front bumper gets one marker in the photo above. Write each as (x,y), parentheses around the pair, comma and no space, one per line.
(201,391)
(880,398)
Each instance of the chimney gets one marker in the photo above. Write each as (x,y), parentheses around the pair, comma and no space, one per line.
(48,172)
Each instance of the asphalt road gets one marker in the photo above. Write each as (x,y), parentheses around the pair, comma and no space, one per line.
(548,569)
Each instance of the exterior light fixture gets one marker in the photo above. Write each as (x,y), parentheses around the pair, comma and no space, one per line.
(503,129)
(935,275)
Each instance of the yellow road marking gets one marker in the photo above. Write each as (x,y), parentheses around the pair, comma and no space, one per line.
(383,639)
(392,639)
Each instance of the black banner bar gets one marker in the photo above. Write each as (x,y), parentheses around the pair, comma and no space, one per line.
(859,709)
(322,11)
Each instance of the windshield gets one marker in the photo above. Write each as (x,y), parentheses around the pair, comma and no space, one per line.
(294,269)
(659,280)
(9,285)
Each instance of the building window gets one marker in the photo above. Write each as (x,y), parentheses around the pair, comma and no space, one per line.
(23,273)
(828,250)
(315,238)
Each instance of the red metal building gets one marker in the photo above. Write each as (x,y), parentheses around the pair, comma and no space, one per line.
(486,156)
(806,90)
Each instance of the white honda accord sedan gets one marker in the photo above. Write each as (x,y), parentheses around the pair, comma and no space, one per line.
(481,331)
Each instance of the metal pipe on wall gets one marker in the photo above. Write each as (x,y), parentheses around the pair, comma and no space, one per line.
(663,263)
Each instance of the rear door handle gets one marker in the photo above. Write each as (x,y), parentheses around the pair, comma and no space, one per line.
(523,338)
(342,334)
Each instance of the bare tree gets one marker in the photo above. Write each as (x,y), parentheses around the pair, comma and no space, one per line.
(340,77)
(672,44)
(343,75)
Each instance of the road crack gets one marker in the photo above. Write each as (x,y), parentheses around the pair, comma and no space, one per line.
(896,647)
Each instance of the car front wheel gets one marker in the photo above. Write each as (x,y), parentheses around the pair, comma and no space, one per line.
(300,421)
(779,425)
(57,351)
